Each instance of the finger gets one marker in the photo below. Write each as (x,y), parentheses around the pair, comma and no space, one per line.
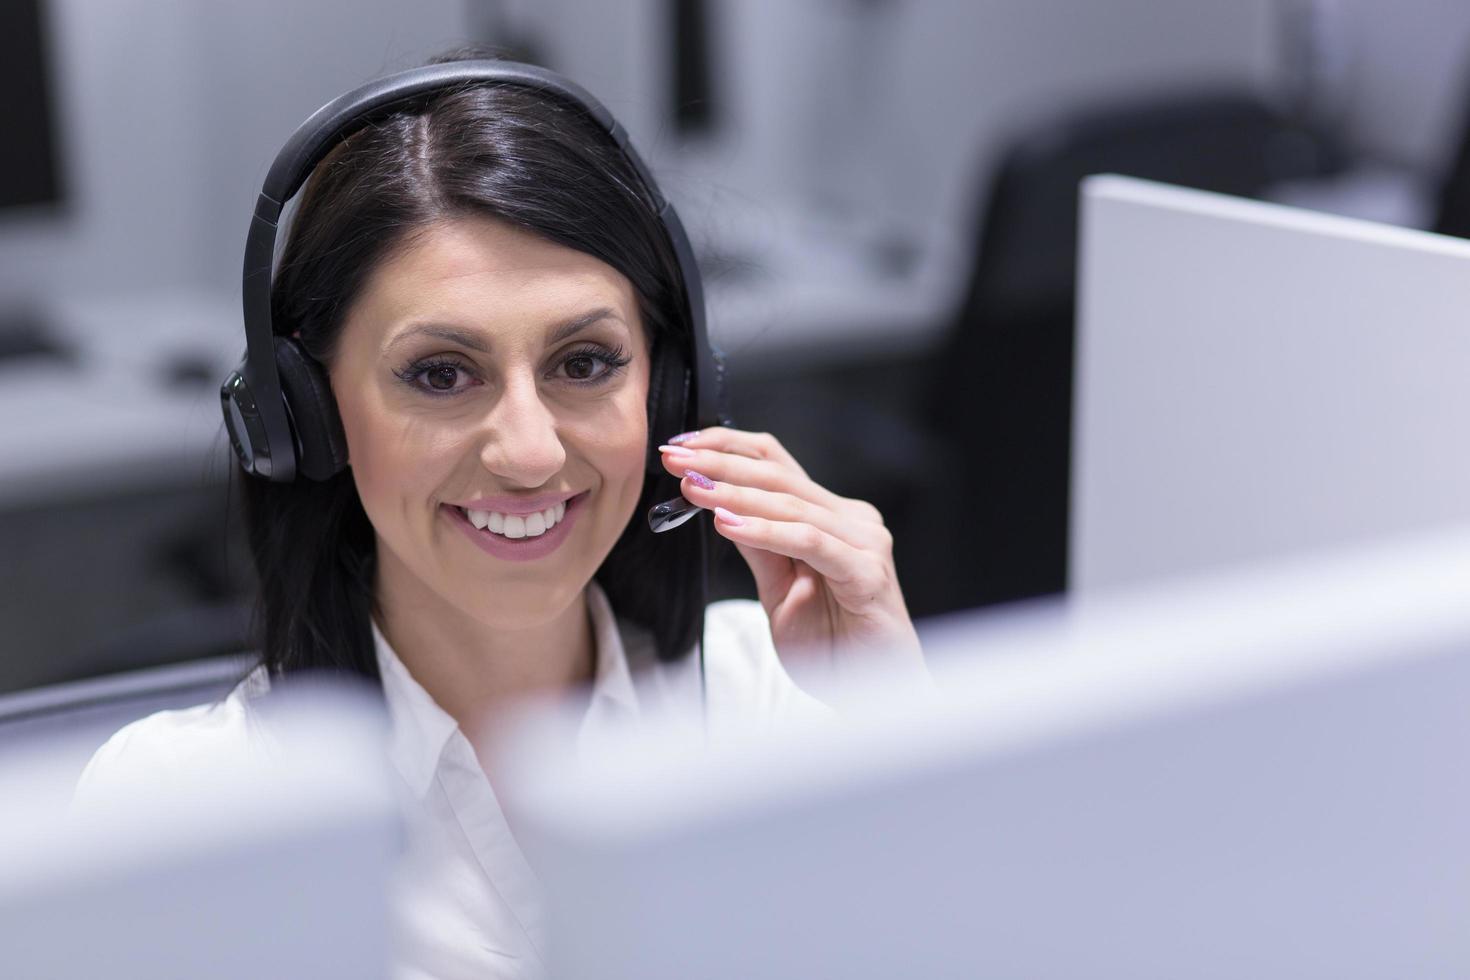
(856,578)
(764,446)
(777,506)
(746,471)
(773,573)
(755,445)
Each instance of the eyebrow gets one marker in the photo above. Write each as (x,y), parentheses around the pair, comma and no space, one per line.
(474,341)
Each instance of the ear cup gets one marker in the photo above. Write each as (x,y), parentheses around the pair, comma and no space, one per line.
(322,445)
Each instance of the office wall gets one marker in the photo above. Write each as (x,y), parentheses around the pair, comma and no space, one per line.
(970,73)
(170,108)
(1408,77)
(127,127)
(901,105)
(169,113)
(279,61)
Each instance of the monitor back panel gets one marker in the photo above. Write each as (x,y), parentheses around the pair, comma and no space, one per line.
(1254,380)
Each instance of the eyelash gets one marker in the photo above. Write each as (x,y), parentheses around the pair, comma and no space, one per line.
(615,360)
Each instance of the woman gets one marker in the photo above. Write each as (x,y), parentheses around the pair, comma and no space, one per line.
(484,280)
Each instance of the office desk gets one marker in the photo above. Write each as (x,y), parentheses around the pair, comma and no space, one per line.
(110,420)
(825,293)
(809,292)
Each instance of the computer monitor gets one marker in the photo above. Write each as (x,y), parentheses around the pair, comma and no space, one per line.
(29,174)
(245,861)
(1258,773)
(1253,380)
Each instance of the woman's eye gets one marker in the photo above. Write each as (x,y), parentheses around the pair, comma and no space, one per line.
(436,377)
(441,378)
(581,367)
(594,365)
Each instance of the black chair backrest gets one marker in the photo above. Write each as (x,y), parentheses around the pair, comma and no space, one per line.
(1452,210)
(1003,391)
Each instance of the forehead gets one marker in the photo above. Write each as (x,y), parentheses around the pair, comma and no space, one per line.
(488,273)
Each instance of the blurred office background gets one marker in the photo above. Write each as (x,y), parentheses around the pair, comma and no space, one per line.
(882,193)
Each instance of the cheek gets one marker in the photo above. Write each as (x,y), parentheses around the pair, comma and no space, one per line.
(394,457)
(614,440)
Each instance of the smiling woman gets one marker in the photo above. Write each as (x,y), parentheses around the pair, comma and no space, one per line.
(480,274)
(489,303)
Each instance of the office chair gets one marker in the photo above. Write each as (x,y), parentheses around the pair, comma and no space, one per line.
(1452,209)
(191,633)
(1002,390)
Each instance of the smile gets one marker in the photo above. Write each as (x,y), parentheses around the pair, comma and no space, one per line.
(517,525)
(517,537)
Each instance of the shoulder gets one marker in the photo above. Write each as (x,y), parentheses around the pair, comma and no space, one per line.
(744,676)
(169,744)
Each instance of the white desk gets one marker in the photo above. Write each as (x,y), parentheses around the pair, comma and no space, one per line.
(821,291)
(111,421)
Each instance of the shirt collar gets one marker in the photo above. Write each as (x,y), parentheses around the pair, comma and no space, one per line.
(421,728)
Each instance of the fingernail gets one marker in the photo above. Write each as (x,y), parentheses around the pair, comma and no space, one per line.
(683,437)
(678,452)
(700,480)
(723,515)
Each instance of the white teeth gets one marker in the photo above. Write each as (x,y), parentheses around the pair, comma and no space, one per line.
(515,525)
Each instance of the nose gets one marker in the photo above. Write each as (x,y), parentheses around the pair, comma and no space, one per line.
(522,445)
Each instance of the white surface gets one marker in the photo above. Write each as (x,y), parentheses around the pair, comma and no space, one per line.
(169,112)
(242,860)
(110,422)
(1251,774)
(815,290)
(1254,380)
(901,107)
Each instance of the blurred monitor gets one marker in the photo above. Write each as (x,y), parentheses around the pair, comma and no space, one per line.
(1256,774)
(29,173)
(270,859)
(1255,380)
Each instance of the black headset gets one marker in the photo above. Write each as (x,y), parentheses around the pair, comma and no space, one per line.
(278,406)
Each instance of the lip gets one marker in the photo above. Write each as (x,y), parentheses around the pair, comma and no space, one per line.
(518,549)
(520,506)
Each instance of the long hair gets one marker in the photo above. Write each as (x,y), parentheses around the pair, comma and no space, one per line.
(496,151)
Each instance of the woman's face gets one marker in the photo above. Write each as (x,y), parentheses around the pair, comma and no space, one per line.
(487,374)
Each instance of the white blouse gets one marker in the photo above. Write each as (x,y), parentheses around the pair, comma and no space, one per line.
(466,902)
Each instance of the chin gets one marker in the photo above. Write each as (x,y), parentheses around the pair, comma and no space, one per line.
(521,605)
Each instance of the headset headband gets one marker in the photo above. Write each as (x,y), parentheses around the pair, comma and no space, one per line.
(321,132)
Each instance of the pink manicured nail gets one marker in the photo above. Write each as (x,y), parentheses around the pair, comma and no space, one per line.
(725,516)
(700,480)
(678,452)
(683,437)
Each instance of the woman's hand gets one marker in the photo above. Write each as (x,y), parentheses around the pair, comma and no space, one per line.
(823,564)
